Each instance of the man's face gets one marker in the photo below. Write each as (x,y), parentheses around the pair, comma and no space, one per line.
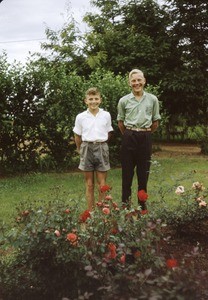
(93,102)
(137,82)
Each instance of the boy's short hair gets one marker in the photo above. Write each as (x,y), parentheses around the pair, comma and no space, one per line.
(135,71)
(92,91)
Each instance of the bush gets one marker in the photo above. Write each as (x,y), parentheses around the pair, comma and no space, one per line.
(199,133)
(55,248)
(189,207)
(38,114)
(54,252)
(204,146)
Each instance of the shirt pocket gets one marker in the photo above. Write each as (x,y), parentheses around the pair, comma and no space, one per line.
(149,110)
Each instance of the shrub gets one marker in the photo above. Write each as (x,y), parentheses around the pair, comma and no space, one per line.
(199,133)
(38,115)
(55,248)
(54,252)
(190,206)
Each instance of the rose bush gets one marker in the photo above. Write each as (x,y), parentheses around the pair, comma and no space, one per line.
(55,252)
(190,206)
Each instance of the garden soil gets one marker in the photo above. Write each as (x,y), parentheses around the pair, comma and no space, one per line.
(176,149)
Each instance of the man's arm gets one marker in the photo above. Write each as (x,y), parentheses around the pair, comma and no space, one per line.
(154,126)
(78,141)
(121,126)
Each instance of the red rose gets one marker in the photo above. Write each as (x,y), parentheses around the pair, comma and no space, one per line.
(72,238)
(114,231)
(85,215)
(123,259)
(171,263)
(105,188)
(137,254)
(142,195)
(112,249)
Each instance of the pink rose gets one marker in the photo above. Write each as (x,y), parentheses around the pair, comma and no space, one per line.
(106,210)
(57,233)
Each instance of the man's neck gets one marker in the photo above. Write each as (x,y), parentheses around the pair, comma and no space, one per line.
(139,95)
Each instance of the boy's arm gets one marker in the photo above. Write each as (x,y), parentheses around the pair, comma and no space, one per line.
(110,134)
(121,126)
(78,141)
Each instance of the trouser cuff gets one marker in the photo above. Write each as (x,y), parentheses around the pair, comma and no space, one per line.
(142,205)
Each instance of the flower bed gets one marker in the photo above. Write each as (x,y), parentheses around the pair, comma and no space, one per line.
(108,253)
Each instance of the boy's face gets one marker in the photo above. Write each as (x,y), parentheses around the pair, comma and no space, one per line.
(93,102)
(137,82)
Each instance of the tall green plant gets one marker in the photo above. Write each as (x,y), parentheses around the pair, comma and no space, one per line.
(62,101)
(21,113)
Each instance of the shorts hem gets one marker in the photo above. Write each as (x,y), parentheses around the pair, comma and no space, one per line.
(92,170)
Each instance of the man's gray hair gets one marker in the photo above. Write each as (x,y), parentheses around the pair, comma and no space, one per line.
(135,71)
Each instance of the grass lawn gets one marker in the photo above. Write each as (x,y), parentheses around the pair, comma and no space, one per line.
(166,174)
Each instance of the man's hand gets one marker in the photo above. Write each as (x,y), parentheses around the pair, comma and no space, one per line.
(121,126)
(154,126)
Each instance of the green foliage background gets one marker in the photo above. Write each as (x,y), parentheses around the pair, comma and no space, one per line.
(39,100)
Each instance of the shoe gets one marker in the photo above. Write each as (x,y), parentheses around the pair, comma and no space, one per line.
(126,205)
(142,205)
(144,212)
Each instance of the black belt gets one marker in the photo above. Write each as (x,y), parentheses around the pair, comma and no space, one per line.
(94,142)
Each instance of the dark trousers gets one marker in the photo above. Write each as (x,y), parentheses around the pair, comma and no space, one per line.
(136,150)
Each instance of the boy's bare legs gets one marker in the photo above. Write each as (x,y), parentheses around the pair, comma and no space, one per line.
(101,180)
(89,184)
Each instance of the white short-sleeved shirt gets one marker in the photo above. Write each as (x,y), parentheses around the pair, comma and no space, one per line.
(93,128)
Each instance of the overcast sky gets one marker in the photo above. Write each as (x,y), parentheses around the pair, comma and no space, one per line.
(23,23)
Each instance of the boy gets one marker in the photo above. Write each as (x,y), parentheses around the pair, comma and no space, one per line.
(92,131)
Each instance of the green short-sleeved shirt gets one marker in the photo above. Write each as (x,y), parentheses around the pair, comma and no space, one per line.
(138,113)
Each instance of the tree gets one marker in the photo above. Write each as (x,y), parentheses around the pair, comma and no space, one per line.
(65,47)
(185,86)
(127,34)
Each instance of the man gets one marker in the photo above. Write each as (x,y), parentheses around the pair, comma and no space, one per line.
(138,115)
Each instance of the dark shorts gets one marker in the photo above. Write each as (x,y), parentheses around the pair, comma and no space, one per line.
(94,157)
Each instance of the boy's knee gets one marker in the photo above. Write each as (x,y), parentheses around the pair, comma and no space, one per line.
(90,186)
